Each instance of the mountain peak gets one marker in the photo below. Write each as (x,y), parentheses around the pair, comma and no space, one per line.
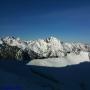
(9,37)
(52,39)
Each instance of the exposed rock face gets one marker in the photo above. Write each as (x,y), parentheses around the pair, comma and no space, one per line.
(14,48)
(8,52)
(13,53)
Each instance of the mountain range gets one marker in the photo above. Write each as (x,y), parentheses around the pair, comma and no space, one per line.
(43,64)
(30,51)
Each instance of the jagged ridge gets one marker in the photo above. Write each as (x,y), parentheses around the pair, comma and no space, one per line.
(50,47)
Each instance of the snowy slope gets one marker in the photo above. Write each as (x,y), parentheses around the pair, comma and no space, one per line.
(69,53)
(70,59)
(12,41)
(15,76)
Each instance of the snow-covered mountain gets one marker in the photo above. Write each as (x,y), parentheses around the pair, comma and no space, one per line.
(50,64)
(46,48)
(12,41)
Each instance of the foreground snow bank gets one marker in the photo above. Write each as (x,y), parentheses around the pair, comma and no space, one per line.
(16,76)
(70,59)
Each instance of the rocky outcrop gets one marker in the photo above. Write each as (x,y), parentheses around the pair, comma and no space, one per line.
(13,53)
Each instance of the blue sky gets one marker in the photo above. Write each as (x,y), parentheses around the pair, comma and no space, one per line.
(32,19)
